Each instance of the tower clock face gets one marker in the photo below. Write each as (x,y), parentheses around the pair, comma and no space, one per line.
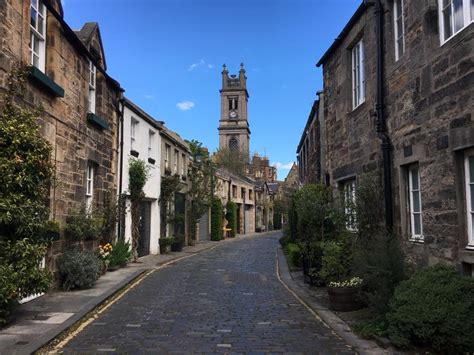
(233,114)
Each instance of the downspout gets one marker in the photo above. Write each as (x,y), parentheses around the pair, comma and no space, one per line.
(380,117)
(120,143)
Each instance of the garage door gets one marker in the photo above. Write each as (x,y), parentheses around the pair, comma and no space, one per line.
(204,227)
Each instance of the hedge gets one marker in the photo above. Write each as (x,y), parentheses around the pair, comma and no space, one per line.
(216,220)
(232,218)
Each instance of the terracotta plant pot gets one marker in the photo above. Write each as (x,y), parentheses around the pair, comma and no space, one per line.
(344,299)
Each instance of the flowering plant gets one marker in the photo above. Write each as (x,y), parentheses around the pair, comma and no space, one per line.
(351,283)
(104,252)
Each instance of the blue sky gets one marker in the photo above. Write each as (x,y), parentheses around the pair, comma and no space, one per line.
(168,55)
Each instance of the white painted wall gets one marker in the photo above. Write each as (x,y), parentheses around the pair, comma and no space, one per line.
(152,187)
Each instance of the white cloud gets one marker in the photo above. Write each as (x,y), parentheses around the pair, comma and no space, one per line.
(195,65)
(149,97)
(200,63)
(185,105)
(283,166)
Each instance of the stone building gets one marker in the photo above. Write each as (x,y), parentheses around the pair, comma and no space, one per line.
(175,159)
(261,170)
(241,191)
(399,99)
(140,138)
(68,78)
(309,147)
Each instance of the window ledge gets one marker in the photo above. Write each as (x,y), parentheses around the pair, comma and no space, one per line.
(46,82)
(151,161)
(134,153)
(470,247)
(416,240)
(98,121)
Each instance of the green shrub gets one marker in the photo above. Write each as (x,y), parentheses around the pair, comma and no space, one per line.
(312,253)
(232,218)
(335,261)
(120,254)
(216,220)
(82,225)
(380,262)
(165,242)
(20,273)
(78,269)
(434,308)
(294,254)
(284,240)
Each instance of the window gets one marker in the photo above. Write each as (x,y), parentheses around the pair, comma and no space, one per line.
(233,103)
(167,156)
(89,186)
(92,82)
(469,182)
(151,142)
(399,28)
(358,75)
(242,193)
(175,162)
(183,165)
(234,191)
(38,34)
(454,15)
(133,131)
(250,195)
(233,144)
(414,203)
(349,195)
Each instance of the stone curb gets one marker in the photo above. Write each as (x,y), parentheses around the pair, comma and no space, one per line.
(46,338)
(341,328)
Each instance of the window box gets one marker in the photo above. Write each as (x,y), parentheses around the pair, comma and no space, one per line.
(134,153)
(46,82)
(151,161)
(98,121)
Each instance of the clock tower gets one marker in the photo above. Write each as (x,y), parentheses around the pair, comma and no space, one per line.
(234,131)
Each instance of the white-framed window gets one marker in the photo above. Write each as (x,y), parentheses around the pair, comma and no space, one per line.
(349,196)
(358,75)
(133,132)
(454,15)
(151,142)
(414,203)
(92,86)
(183,165)
(38,34)
(175,161)
(89,186)
(399,28)
(167,156)
(469,188)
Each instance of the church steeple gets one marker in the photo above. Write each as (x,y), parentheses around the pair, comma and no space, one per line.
(234,132)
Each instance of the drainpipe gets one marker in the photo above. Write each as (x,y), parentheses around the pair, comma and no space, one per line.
(380,116)
(121,110)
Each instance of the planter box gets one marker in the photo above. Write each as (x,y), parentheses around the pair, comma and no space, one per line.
(46,82)
(97,121)
(177,246)
(344,299)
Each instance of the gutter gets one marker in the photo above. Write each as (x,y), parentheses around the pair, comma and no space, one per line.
(381,125)
(120,110)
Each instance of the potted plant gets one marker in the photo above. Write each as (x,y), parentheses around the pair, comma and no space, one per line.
(119,255)
(177,244)
(344,295)
(105,251)
(165,244)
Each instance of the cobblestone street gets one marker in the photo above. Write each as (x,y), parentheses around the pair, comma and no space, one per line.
(224,300)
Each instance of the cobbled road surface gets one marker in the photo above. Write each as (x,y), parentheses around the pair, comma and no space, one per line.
(224,300)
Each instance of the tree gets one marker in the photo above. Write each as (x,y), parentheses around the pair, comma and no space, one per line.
(138,175)
(201,176)
(235,161)
(25,177)
(169,185)
(232,218)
